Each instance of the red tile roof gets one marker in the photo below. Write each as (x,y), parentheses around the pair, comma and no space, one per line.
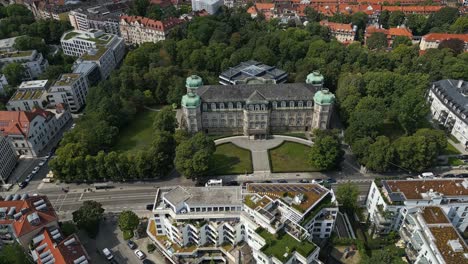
(444,36)
(17,122)
(63,251)
(351,9)
(337,26)
(22,225)
(413,9)
(151,23)
(405,32)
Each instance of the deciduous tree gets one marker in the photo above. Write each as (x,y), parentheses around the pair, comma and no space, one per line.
(128,221)
(88,216)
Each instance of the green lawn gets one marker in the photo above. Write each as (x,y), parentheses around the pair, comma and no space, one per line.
(283,243)
(230,159)
(290,157)
(455,162)
(138,134)
(450,150)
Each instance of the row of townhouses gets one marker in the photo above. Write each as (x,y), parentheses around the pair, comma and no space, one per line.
(271,223)
(32,222)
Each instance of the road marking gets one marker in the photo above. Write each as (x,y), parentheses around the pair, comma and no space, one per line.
(81,196)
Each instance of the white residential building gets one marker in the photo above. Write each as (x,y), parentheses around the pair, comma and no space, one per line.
(432,40)
(389,202)
(137,30)
(3,83)
(6,45)
(106,50)
(190,223)
(70,89)
(449,106)
(430,238)
(29,95)
(211,6)
(33,62)
(31,132)
(7,158)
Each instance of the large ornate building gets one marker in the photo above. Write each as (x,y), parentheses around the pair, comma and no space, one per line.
(257,109)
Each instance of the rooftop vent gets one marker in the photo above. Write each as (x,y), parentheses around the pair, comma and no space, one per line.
(17,216)
(16,197)
(41,247)
(36,240)
(42,207)
(24,196)
(79,260)
(12,211)
(69,241)
(455,245)
(34,219)
(39,202)
(9,197)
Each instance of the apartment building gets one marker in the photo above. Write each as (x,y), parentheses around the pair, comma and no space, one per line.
(267,9)
(77,43)
(103,17)
(32,222)
(29,95)
(191,223)
(430,238)
(210,6)
(33,62)
(70,89)
(390,33)
(137,30)
(432,40)
(3,83)
(344,33)
(89,69)
(31,132)
(8,159)
(389,202)
(6,45)
(448,102)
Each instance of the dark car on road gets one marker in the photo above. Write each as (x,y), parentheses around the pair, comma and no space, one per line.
(330,180)
(23,184)
(131,244)
(147,261)
(448,175)
(267,181)
(462,175)
(304,181)
(283,181)
(231,183)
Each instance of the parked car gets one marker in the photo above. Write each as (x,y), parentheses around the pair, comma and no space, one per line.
(131,244)
(267,181)
(23,184)
(462,175)
(304,181)
(231,183)
(46,157)
(464,157)
(107,254)
(330,180)
(426,175)
(41,163)
(450,175)
(139,254)
(35,170)
(147,261)
(283,181)
(317,181)
(29,178)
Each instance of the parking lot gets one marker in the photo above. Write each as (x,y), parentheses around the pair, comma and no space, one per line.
(110,237)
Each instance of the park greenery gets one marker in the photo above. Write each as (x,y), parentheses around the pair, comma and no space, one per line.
(347,195)
(88,217)
(128,222)
(326,152)
(14,254)
(376,89)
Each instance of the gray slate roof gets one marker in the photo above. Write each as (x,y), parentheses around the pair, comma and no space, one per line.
(253,68)
(454,94)
(199,196)
(242,92)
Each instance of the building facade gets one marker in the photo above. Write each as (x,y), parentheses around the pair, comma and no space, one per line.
(344,33)
(432,40)
(33,62)
(253,72)
(70,89)
(256,110)
(190,223)
(8,159)
(210,6)
(430,238)
(390,33)
(103,17)
(448,102)
(31,132)
(29,95)
(388,203)
(3,83)
(137,30)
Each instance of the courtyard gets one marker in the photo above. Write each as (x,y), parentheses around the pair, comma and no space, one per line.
(138,134)
(230,159)
(290,157)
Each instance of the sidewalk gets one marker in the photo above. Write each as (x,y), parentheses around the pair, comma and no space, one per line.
(458,146)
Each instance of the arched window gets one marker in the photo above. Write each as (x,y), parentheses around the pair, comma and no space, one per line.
(309,103)
(300,104)
(283,104)
(291,104)
(251,107)
(205,107)
(263,107)
(239,105)
(221,105)
(213,106)
(274,104)
(257,107)
(230,106)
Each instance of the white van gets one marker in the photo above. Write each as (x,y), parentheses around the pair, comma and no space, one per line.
(47,180)
(107,254)
(426,175)
(213,182)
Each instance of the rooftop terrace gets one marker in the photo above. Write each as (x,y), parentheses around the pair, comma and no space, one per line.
(83,35)
(444,237)
(414,189)
(67,79)
(27,95)
(94,54)
(16,54)
(212,196)
(434,215)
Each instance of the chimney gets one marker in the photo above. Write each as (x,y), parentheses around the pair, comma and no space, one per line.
(460,83)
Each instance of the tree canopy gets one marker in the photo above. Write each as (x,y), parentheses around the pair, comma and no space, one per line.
(128,221)
(347,195)
(326,152)
(88,217)
(192,155)
(14,254)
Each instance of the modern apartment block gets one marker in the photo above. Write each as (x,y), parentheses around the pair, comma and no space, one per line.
(32,222)
(89,69)
(33,62)
(430,238)
(31,132)
(104,17)
(29,95)
(8,159)
(106,50)
(449,107)
(210,6)
(273,221)
(6,45)
(137,30)
(389,202)
(70,89)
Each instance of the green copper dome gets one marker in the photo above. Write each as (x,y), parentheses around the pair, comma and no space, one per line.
(193,81)
(314,78)
(190,101)
(324,97)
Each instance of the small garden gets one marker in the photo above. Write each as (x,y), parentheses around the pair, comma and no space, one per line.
(138,134)
(290,157)
(282,245)
(230,159)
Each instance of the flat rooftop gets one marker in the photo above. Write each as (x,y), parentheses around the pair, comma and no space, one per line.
(33,84)
(253,68)
(96,36)
(67,79)
(416,189)
(16,54)
(444,238)
(7,43)
(94,54)
(311,192)
(205,196)
(434,215)
(27,95)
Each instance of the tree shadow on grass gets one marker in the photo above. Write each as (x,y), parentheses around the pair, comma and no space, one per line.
(222,164)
